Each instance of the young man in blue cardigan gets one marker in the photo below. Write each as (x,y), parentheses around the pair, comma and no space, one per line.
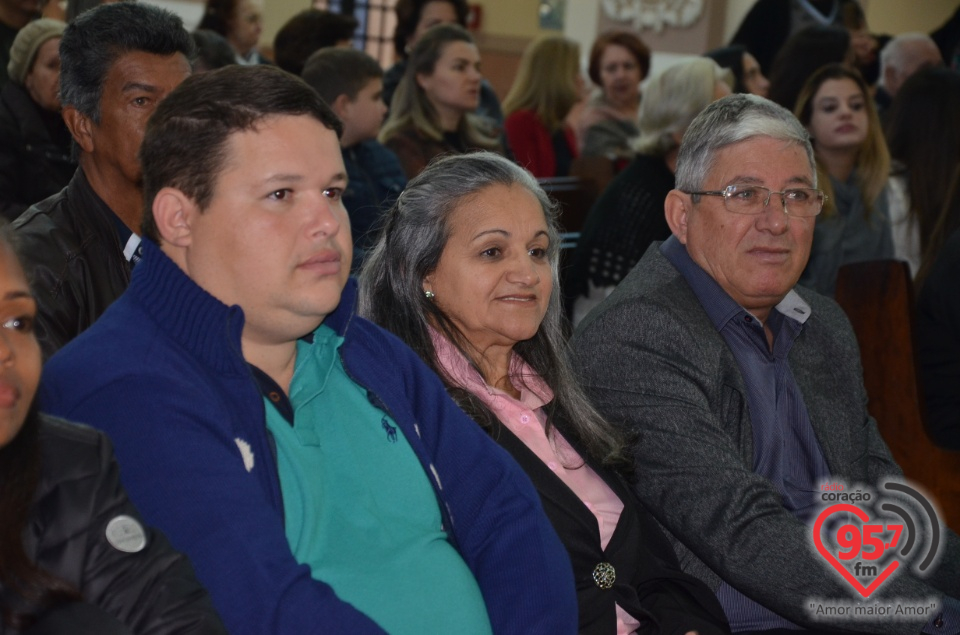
(311,466)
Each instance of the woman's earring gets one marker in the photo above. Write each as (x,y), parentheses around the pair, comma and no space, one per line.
(429,294)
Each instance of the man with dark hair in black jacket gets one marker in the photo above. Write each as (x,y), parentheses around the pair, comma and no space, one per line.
(117,62)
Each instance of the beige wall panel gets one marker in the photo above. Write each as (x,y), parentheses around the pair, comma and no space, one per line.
(897,16)
(883,16)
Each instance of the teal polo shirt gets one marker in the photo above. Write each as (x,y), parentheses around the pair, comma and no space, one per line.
(359,509)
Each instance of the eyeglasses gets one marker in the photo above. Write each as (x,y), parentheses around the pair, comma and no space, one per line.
(753,199)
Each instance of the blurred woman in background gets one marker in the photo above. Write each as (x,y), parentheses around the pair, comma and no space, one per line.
(241,22)
(923,132)
(747,76)
(853,167)
(619,61)
(414,18)
(938,323)
(35,159)
(547,87)
(433,109)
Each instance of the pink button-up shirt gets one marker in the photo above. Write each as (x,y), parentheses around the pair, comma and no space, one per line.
(526,418)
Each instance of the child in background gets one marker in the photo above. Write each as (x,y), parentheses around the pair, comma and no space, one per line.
(351,82)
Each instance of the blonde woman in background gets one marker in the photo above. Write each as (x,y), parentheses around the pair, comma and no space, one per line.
(547,87)
(853,166)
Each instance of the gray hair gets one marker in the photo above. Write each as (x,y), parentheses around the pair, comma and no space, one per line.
(673,98)
(410,244)
(892,55)
(730,120)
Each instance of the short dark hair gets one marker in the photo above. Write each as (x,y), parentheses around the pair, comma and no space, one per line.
(408,15)
(626,39)
(308,32)
(96,39)
(339,71)
(185,144)
(213,51)
(731,57)
(218,16)
(807,50)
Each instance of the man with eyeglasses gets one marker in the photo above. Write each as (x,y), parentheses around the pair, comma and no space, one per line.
(741,394)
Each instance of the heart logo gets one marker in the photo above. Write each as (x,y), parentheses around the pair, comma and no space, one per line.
(876,543)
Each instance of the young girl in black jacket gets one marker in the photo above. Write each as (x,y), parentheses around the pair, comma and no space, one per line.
(75,556)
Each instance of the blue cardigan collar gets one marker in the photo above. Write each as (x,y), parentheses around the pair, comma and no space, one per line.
(198,321)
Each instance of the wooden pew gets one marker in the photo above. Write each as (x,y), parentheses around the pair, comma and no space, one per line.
(878,298)
(577,193)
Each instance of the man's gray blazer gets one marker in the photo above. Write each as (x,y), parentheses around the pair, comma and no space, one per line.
(654,364)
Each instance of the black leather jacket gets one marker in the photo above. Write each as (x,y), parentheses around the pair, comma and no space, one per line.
(33,164)
(148,588)
(72,255)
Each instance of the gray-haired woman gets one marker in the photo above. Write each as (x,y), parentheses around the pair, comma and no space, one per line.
(628,216)
(465,272)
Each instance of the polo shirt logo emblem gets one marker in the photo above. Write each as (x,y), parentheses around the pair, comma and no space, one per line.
(245,453)
(391,430)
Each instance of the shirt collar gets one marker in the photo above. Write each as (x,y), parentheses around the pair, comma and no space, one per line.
(123,232)
(794,307)
(250,59)
(717,303)
(316,360)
